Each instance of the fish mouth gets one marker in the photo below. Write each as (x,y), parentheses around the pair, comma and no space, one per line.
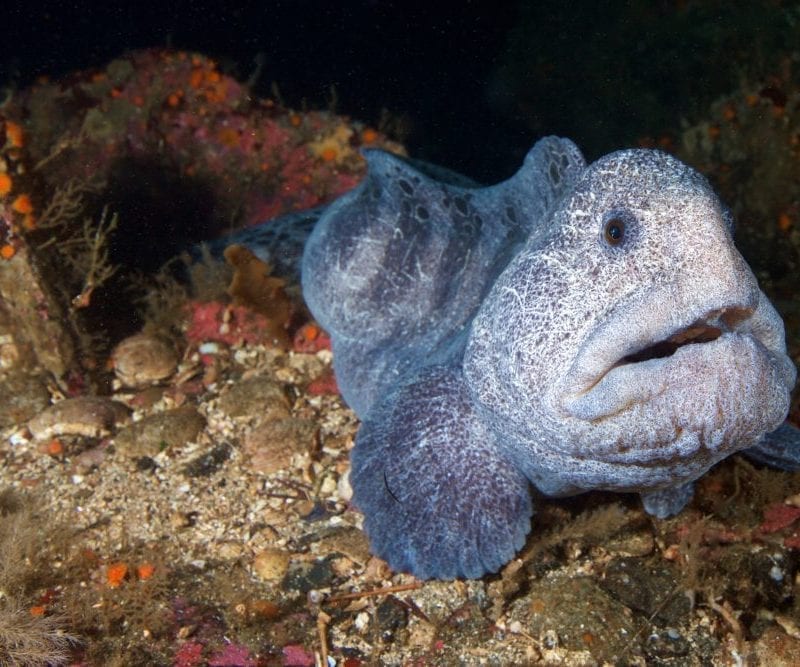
(704,331)
(614,367)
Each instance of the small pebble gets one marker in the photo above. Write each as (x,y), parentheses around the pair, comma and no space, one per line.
(146,464)
(142,359)
(271,564)
(362,621)
(209,348)
(343,488)
(230,550)
(209,462)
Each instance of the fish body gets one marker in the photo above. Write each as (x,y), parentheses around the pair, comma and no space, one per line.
(575,327)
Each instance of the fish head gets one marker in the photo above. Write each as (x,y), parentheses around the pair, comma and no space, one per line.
(628,345)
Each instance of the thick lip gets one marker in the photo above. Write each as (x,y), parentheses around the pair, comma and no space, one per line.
(705,329)
(645,336)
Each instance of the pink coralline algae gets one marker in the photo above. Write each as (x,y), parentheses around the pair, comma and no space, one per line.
(189,654)
(258,158)
(779,516)
(295,655)
(233,655)
(216,321)
(325,384)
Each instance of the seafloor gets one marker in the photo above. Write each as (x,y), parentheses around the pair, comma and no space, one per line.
(180,497)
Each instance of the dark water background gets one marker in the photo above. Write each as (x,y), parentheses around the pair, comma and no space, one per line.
(469,84)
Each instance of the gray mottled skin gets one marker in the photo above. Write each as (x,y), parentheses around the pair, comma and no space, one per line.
(492,337)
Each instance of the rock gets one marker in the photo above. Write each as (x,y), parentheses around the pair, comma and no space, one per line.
(754,578)
(305,577)
(579,616)
(23,397)
(343,488)
(259,397)
(142,360)
(272,444)
(160,431)
(89,416)
(349,541)
(35,329)
(391,617)
(666,644)
(271,564)
(636,543)
(776,648)
(146,464)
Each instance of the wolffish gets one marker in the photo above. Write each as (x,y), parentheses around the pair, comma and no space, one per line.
(574,327)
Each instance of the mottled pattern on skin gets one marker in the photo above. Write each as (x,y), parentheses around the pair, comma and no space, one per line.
(396,269)
(570,306)
(574,327)
(280,242)
(488,505)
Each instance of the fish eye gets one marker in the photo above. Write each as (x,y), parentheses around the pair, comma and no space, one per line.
(614,230)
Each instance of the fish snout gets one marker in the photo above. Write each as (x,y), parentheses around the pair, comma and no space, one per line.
(719,276)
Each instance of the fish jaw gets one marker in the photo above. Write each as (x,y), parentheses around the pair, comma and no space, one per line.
(722,374)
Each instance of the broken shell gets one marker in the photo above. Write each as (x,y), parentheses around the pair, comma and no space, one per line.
(89,416)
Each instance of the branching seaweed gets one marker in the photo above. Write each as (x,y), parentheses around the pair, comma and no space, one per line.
(82,246)
(19,541)
(164,295)
(30,640)
(64,144)
(66,204)
(88,254)
(25,638)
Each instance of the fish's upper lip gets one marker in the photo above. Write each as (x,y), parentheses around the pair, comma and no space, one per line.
(614,344)
(702,330)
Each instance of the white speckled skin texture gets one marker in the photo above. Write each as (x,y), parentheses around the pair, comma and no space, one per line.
(570,306)
(575,327)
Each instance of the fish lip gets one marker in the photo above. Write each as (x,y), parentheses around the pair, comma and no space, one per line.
(703,330)
(599,357)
